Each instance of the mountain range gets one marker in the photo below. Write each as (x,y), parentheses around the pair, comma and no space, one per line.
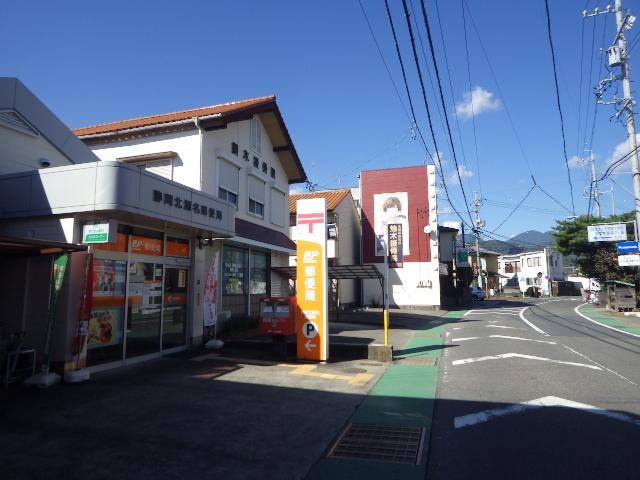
(523,242)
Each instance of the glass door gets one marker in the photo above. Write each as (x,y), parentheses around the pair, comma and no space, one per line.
(174,317)
(144,308)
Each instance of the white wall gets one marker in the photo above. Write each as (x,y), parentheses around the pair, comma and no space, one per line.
(403,286)
(21,152)
(185,144)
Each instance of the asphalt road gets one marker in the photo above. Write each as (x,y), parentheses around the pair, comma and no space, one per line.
(533,390)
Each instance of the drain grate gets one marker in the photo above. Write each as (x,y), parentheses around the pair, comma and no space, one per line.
(381,443)
(421,360)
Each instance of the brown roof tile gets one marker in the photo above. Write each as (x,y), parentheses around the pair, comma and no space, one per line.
(224,108)
(334,197)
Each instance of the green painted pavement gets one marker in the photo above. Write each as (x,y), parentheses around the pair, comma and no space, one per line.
(610,319)
(404,396)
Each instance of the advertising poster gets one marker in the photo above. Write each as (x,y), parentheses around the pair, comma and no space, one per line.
(104,327)
(390,208)
(394,236)
(211,293)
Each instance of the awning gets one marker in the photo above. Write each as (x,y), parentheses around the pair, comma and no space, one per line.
(338,272)
(12,246)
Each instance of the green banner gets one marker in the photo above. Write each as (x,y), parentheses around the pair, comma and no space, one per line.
(59,269)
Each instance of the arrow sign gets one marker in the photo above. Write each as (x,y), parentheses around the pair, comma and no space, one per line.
(492,414)
(309,345)
(627,247)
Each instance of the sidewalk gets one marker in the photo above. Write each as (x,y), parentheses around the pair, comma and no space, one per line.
(617,320)
(403,397)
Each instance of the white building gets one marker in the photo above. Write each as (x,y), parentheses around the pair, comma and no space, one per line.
(240,152)
(533,270)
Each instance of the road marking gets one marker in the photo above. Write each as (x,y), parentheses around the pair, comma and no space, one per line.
(505,337)
(502,326)
(550,401)
(502,314)
(309,371)
(502,356)
(531,324)
(602,324)
(599,364)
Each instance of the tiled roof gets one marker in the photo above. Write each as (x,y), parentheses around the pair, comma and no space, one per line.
(334,197)
(224,108)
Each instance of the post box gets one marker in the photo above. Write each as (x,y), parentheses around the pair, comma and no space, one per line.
(277,316)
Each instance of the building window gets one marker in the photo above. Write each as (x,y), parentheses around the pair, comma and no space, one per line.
(264,167)
(256,208)
(292,220)
(227,196)
(228,182)
(533,262)
(259,277)
(234,266)
(273,172)
(256,196)
(278,207)
(256,135)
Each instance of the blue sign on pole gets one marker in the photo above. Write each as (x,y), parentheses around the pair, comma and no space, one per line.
(627,247)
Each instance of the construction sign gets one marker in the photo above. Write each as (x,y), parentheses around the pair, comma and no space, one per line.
(312,328)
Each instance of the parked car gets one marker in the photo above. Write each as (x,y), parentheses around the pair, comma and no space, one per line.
(476,293)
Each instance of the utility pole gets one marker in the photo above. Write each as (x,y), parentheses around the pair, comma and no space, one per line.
(477,225)
(617,56)
(593,191)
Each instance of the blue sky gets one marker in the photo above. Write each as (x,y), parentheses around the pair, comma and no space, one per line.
(93,62)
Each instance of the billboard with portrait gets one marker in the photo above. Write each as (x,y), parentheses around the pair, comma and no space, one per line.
(388,209)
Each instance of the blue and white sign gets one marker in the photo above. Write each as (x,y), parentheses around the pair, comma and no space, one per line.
(627,247)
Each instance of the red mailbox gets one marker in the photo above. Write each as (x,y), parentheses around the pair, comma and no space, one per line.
(277,316)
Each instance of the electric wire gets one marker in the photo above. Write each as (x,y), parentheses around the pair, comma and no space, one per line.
(555,199)
(515,208)
(406,84)
(444,108)
(555,77)
(424,96)
(495,80)
(473,116)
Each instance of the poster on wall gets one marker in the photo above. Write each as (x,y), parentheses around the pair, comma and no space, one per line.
(390,208)
(211,293)
(108,278)
(104,328)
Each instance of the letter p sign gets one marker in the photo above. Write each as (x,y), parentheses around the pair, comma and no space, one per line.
(309,330)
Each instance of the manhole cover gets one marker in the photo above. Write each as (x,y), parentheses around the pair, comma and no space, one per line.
(380,443)
(416,361)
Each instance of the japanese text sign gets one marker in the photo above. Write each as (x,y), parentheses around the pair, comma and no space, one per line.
(607,232)
(394,237)
(311,284)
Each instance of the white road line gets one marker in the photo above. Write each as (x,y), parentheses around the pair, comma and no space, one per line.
(602,324)
(531,324)
(599,364)
(505,337)
(502,326)
(502,356)
(550,401)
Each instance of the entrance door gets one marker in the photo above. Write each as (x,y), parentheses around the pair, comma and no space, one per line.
(174,317)
(144,308)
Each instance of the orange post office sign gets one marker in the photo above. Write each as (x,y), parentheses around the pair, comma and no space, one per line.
(312,329)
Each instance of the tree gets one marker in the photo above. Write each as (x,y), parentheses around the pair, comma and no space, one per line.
(593,259)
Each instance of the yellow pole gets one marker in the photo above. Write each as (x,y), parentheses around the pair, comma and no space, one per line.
(386,326)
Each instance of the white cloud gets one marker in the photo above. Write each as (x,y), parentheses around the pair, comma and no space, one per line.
(300,188)
(620,151)
(575,162)
(464,173)
(475,102)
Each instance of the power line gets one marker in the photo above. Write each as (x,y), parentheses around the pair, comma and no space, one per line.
(555,77)
(495,80)
(516,208)
(473,116)
(444,108)
(554,199)
(404,78)
(424,96)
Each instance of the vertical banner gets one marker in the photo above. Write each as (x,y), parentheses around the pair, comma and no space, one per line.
(394,237)
(59,269)
(312,329)
(211,292)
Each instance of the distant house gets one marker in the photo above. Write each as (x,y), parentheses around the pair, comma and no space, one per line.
(488,268)
(343,240)
(534,271)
